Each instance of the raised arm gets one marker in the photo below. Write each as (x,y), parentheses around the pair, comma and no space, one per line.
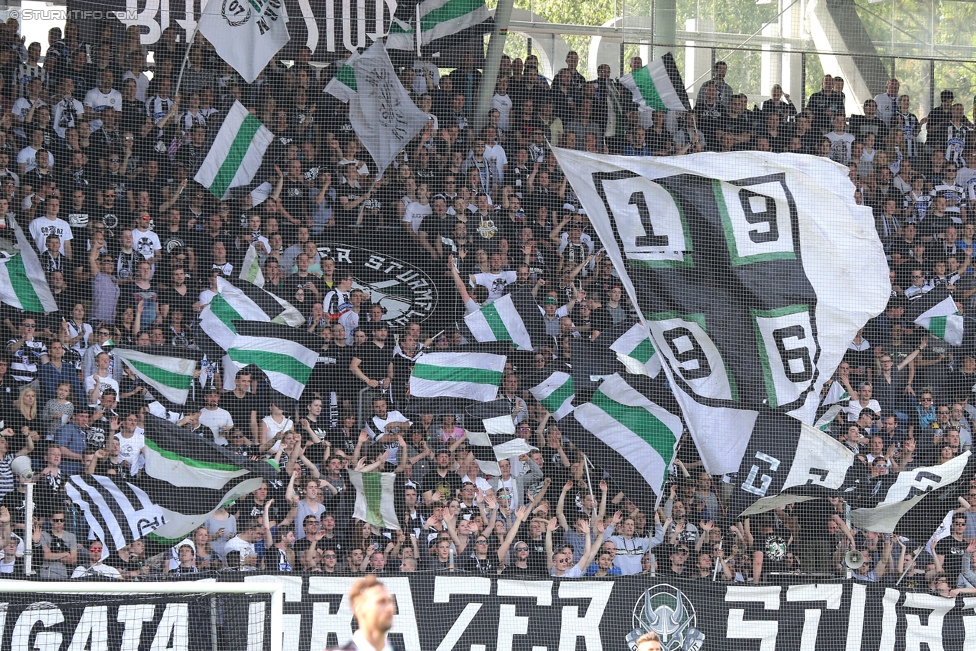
(521,514)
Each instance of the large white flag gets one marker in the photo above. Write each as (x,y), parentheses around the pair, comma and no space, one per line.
(246,33)
(727,258)
(380,109)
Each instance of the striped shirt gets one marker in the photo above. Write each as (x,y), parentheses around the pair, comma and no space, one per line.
(23,367)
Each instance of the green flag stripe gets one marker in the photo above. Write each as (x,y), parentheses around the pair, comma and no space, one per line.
(373,492)
(193,463)
(449,11)
(22,285)
(161,375)
(457,374)
(494,320)
(273,362)
(347,76)
(641,422)
(644,351)
(937,326)
(223,311)
(647,88)
(555,400)
(235,155)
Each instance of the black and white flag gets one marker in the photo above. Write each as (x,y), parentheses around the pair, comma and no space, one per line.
(905,494)
(118,512)
(787,461)
(753,271)
(491,435)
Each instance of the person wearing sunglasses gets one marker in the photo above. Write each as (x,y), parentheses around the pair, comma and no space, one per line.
(60,549)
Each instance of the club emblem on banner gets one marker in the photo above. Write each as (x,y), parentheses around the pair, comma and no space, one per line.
(669,613)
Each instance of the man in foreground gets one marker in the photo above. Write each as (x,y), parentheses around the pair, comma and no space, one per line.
(373,606)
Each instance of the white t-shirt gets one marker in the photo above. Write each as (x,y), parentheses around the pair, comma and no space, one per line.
(41,227)
(215,419)
(28,157)
(67,112)
(238,544)
(130,449)
(22,107)
(104,383)
(495,154)
(96,101)
(504,105)
(495,283)
(415,213)
(100,570)
(274,428)
(419,85)
(146,244)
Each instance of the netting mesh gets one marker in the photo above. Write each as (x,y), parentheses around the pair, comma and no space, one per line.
(310,327)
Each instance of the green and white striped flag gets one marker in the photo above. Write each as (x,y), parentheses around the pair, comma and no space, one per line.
(343,85)
(170,376)
(236,154)
(251,268)
(375,501)
(631,433)
(499,321)
(555,392)
(472,376)
(658,86)
(22,281)
(944,321)
(278,350)
(438,18)
(837,397)
(242,301)
(636,352)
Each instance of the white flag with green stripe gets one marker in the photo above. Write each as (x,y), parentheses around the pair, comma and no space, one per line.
(243,302)
(171,377)
(251,268)
(472,376)
(636,352)
(343,85)
(270,346)
(944,321)
(555,392)
(438,18)
(631,434)
(658,86)
(22,281)
(236,154)
(375,501)
(499,321)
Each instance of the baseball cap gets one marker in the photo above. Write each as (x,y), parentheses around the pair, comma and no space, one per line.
(549,300)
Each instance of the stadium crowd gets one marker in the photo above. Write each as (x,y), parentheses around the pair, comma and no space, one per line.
(97,159)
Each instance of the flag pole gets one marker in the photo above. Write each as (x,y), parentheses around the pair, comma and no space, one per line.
(419,38)
(186,56)
(910,564)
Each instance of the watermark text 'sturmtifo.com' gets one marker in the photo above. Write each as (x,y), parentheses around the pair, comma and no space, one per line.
(63,14)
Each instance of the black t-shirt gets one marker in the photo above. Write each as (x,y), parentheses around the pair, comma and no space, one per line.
(240,409)
(14,503)
(953,550)
(448,485)
(374,361)
(174,242)
(183,302)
